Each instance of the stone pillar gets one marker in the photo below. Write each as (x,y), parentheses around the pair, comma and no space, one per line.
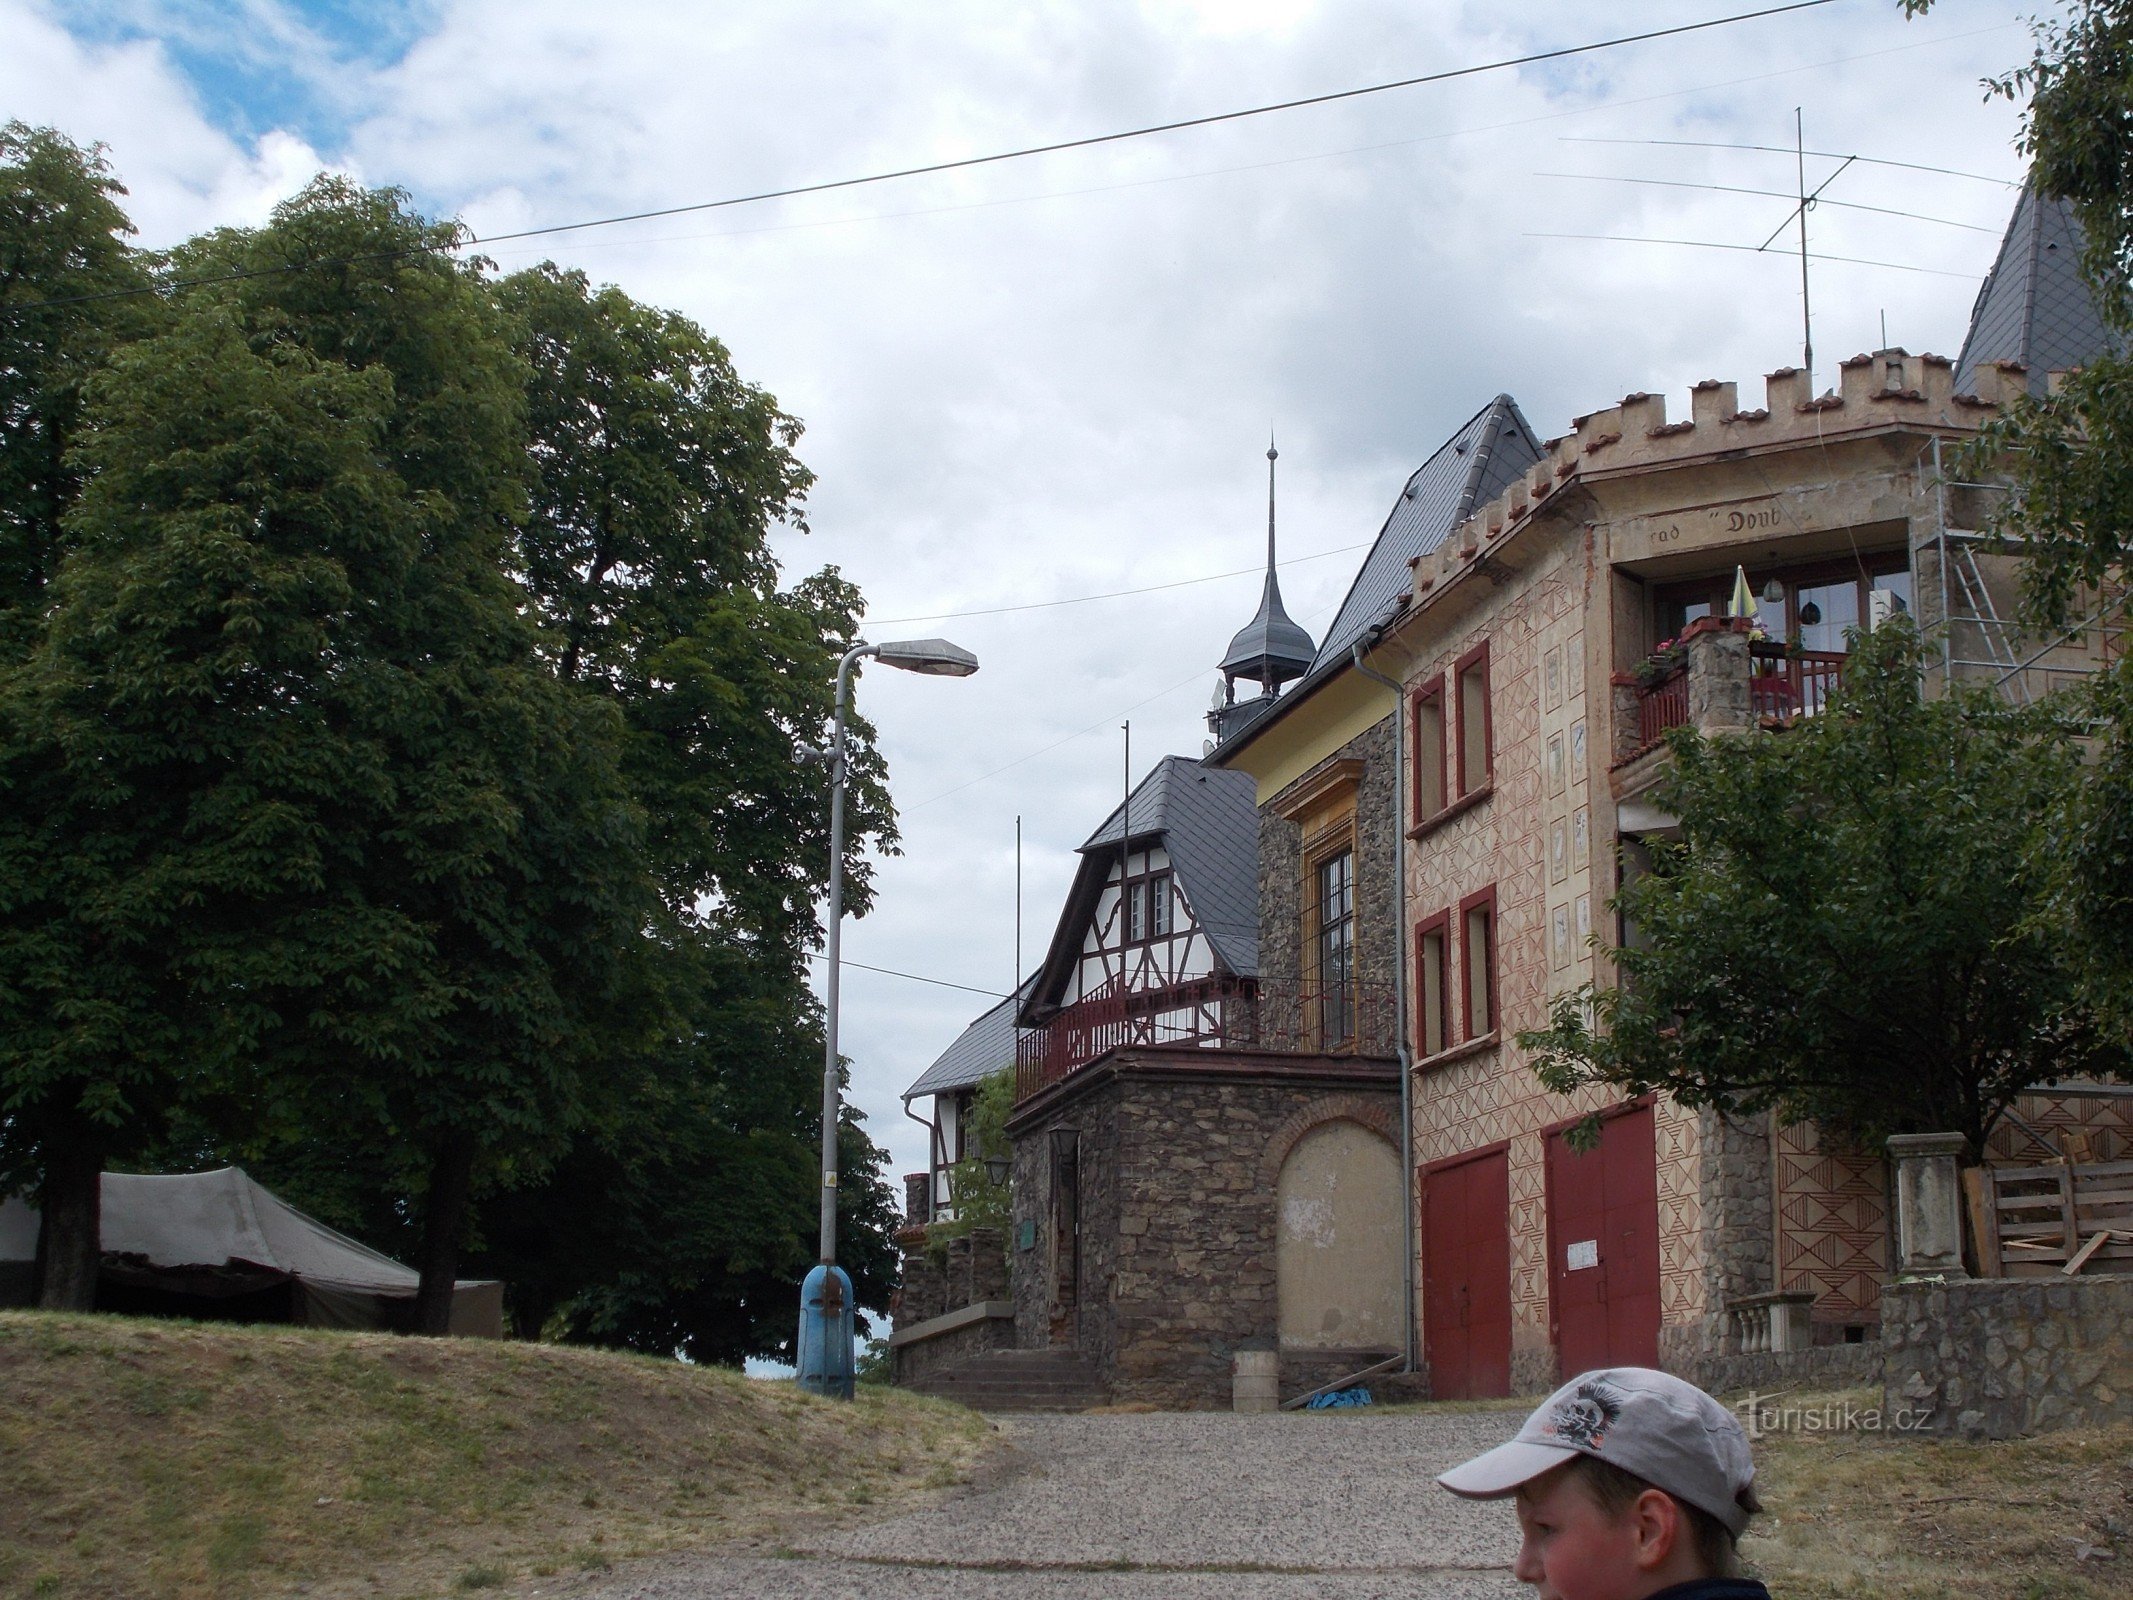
(1255,1383)
(1719,701)
(1622,707)
(1929,1205)
(1792,1321)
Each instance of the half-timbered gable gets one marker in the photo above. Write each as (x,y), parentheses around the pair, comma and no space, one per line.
(1162,921)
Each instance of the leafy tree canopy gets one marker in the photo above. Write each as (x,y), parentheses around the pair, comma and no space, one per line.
(1853,927)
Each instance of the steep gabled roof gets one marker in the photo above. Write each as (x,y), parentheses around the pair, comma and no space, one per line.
(2034,308)
(1488,453)
(1208,821)
(979,1051)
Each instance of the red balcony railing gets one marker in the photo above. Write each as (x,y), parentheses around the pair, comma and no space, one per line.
(1784,686)
(1286,1017)
(1662,705)
(1797,684)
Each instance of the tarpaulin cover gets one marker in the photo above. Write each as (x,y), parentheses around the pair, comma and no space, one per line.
(223,1219)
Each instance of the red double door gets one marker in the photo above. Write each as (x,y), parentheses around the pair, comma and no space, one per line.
(1466,1278)
(1603,1246)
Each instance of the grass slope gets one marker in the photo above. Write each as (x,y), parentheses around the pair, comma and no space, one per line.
(152,1459)
(1882,1516)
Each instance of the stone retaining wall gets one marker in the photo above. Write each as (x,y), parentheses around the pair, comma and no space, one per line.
(911,1362)
(1995,1358)
(1826,1366)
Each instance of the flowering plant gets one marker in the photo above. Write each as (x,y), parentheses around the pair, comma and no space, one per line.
(1668,657)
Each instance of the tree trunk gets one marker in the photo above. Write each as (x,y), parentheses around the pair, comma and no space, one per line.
(70,1245)
(444,1219)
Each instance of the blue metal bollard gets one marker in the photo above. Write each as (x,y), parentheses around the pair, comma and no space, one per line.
(826,1346)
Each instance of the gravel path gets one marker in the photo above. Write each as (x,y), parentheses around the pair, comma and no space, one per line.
(1195,1506)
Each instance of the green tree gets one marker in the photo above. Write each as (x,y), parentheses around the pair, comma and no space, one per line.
(68,295)
(291,778)
(65,273)
(660,474)
(1854,927)
(2069,458)
(981,1202)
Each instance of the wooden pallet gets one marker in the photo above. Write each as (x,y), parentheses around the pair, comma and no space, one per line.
(2056,1220)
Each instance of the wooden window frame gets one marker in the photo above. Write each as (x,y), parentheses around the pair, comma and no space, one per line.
(1476,659)
(1428,694)
(1481,898)
(1440,927)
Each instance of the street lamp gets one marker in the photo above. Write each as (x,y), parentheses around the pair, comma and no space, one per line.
(825,1350)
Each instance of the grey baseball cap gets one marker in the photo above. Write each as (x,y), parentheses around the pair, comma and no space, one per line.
(1667,1432)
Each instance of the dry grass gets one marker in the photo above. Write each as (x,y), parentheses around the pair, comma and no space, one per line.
(146,1459)
(1878,1516)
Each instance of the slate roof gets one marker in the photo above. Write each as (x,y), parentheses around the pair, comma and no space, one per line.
(1208,821)
(1487,454)
(980,1050)
(2034,308)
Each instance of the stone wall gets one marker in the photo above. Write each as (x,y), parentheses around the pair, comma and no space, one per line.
(1826,1366)
(1281,888)
(914,1361)
(1180,1153)
(944,1277)
(1994,1358)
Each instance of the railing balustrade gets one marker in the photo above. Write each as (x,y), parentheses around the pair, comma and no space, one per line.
(1284,1017)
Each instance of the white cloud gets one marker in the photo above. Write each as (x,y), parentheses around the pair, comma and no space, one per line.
(1055,377)
(183,173)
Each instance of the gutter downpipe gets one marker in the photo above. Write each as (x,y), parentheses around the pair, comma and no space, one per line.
(1399,993)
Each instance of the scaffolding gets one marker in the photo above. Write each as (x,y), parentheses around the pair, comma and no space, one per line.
(1978,643)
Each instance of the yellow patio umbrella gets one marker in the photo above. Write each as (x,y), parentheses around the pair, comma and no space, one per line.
(1743,596)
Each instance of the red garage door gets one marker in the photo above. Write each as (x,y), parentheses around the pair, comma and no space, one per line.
(1466,1278)
(1603,1247)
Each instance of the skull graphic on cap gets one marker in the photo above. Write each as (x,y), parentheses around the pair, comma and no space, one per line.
(1582,1419)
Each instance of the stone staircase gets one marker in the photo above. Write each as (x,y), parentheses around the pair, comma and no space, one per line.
(1018,1380)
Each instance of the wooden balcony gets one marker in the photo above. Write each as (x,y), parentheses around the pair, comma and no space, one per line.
(1725,681)
(1282,1017)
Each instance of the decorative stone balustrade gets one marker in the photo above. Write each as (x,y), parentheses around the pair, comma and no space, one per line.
(1771,1324)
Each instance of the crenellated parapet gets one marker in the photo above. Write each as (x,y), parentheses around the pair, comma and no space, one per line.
(1873,391)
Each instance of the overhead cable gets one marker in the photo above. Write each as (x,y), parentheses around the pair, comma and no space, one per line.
(1768,194)
(469,238)
(891,972)
(1788,150)
(1756,250)
(1116,594)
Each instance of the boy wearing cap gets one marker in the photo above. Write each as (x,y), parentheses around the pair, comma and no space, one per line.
(1631,1485)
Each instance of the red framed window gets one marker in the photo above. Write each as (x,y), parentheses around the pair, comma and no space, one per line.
(1477,740)
(1433,985)
(1477,962)
(1432,794)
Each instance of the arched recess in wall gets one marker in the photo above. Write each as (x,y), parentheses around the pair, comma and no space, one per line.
(1338,1240)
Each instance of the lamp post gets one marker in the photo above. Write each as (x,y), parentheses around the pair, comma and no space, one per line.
(825,1348)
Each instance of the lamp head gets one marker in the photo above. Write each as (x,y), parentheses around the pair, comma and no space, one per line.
(935,657)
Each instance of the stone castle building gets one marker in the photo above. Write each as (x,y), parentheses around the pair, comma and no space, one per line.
(1424,820)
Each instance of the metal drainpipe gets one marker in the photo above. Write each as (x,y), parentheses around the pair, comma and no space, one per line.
(1399,998)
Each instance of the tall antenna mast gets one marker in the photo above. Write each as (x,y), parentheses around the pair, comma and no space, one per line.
(1807,323)
(1017,991)
(1125,857)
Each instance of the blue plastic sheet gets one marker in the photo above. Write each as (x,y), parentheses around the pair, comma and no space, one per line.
(1357,1396)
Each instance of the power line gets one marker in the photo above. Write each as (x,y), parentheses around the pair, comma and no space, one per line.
(1438,136)
(891,972)
(1115,594)
(1756,250)
(1768,194)
(1786,150)
(468,238)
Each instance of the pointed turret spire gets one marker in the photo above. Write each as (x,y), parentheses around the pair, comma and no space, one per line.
(1270,649)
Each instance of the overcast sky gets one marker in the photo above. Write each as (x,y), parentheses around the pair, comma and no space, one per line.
(1054,378)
